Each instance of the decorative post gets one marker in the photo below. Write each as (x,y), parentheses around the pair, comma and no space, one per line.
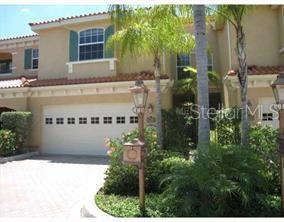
(135,151)
(278,91)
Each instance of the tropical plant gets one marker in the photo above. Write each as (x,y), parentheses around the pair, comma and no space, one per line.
(123,179)
(189,85)
(223,181)
(235,15)
(151,31)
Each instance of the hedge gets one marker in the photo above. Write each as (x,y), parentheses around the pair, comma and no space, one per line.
(19,123)
(7,143)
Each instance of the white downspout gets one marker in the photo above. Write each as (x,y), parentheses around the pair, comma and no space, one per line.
(229,45)
(226,91)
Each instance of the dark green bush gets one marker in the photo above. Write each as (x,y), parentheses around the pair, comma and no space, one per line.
(8,145)
(263,141)
(123,179)
(20,124)
(227,126)
(225,181)
(175,132)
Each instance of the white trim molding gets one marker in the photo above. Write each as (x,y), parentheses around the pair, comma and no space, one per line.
(69,21)
(111,62)
(17,43)
(79,89)
(254,81)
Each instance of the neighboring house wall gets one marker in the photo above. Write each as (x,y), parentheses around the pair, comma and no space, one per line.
(16,48)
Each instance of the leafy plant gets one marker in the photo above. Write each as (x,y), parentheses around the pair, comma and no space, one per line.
(20,124)
(8,145)
(122,179)
(221,182)
(125,206)
(263,141)
(189,85)
(227,127)
(176,127)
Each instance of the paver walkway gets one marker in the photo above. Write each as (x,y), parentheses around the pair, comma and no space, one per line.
(49,186)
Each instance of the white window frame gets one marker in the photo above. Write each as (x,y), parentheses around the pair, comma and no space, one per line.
(212,62)
(92,43)
(32,65)
(179,66)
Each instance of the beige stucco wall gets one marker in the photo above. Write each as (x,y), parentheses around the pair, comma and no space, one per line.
(19,104)
(262,30)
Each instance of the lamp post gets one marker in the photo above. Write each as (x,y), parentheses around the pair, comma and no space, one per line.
(278,91)
(140,95)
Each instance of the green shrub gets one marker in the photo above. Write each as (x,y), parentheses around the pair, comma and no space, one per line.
(125,206)
(227,127)
(7,143)
(123,179)
(225,181)
(20,124)
(263,141)
(175,132)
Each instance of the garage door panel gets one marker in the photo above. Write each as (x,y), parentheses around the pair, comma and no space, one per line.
(88,138)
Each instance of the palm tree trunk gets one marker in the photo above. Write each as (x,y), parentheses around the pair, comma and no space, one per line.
(202,77)
(242,76)
(157,65)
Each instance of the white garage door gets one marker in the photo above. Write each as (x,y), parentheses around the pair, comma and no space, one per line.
(82,129)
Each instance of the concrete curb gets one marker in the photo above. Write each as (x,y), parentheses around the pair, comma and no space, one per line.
(18,157)
(90,209)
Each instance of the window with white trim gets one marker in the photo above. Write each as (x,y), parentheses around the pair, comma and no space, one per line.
(48,121)
(82,120)
(183,61)
(59,120)
(210,62)
(120,119)
(91,44)
(133,119)
(95,120)
(107,120)
(71,120)
(267,117)
(35,57)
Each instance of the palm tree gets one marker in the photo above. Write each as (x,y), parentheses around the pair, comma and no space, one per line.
(235,14)
(151,31)
(189,84)
(202,77)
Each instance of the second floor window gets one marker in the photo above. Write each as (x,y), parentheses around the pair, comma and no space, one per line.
(34,58)
(183,61)
(91,44)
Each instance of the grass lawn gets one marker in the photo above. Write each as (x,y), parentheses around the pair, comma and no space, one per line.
(127,206)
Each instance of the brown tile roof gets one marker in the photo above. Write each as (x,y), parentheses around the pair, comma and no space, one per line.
(19,37)
(118,78)
(260,70)
(66,18)
(34,82)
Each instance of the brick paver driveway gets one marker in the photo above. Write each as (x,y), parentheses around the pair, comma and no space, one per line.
(49,186)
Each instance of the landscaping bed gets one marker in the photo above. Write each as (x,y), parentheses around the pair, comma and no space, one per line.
(225,179)
(128,206)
